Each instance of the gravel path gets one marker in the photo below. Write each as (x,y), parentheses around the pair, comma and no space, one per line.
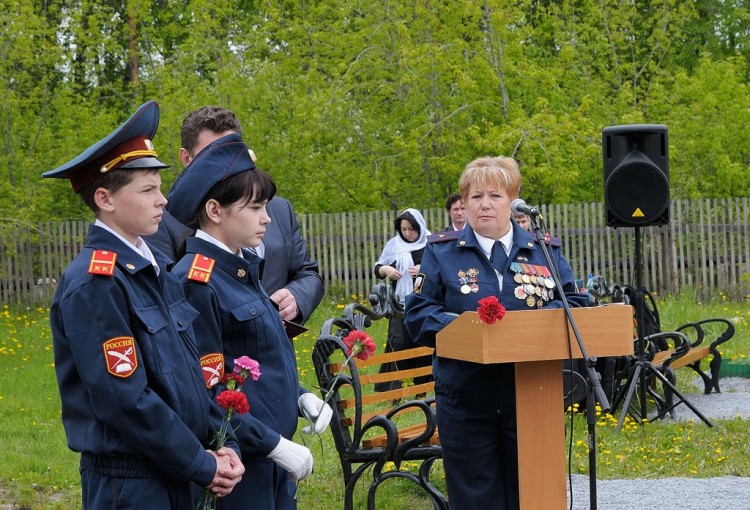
(725,493)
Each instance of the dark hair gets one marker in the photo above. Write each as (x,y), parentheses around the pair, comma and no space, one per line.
(452,199)
(251,186)
(211,118)
(406,215)
(112,181)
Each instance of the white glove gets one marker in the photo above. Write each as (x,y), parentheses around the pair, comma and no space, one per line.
(318,412)
(293,457)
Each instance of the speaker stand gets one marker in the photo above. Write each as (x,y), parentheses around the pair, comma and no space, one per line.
(639,373)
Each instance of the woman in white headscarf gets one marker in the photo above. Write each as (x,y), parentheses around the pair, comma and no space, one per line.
(399,264)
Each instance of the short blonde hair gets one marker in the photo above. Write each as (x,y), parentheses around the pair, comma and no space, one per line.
(500,172)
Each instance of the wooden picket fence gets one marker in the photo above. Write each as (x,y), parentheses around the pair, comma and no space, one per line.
(706,245)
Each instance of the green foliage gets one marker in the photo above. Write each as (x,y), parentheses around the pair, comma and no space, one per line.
(376,104)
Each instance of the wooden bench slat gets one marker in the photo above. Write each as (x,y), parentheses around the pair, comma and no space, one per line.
(692,355)
(404,435)
(388,396)
(387,357)
(396,375)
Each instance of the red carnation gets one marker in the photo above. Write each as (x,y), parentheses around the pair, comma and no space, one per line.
(233,380)
(359,344)
(233,401)
(490,310)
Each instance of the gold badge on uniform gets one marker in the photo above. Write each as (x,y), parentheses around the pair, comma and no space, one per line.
(472,275)
(463,281)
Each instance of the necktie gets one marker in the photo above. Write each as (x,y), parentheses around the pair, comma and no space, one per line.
(498,257)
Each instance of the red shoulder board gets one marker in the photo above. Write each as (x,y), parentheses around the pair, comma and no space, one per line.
(441,237)
(551,240)
(121,356)
(200,269)
(102,262)
(212,366)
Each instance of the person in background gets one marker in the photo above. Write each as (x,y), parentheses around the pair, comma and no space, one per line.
(133,398)
(399,265)
(475,403)
(457,212)
(223,196)
(523,221)
(290,277)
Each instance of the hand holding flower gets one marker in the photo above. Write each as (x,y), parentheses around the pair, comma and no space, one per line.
(229,468)
(319,413)
(229,471)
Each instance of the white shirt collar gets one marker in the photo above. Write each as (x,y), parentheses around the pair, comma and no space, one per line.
(140,247)
(487,243)
(202,234)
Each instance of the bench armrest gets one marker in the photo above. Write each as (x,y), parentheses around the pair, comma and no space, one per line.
(726,334)
(680,345)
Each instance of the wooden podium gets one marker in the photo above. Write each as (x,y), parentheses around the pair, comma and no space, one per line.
(537,341)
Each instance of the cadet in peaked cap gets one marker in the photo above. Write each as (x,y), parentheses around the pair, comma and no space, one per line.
(134,403)
(222,194)
(219,160)
(127,147)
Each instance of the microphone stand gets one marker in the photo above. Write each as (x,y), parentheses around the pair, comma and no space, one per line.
(594,386)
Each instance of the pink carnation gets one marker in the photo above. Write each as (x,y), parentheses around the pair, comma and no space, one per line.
(248,364)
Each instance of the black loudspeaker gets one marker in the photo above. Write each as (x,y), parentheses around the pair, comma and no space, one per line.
(636,175)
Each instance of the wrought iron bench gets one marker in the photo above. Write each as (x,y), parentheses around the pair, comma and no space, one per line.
(668,351)
(372,429)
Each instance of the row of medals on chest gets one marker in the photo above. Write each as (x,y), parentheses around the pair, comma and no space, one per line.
(535,283)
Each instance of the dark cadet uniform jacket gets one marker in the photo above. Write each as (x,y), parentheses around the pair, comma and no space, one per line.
(286,263)
(455,275)
(127,364)
(239,319)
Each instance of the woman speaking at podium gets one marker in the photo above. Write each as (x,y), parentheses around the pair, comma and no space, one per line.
(492,256)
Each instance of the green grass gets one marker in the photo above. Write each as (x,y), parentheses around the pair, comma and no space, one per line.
(38,471)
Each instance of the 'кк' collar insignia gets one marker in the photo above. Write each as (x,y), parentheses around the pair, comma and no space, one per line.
(102,262)
(201,268)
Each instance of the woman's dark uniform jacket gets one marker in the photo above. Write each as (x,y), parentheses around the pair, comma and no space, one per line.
(157,420)
(438,298)
(239,319)
(286,264)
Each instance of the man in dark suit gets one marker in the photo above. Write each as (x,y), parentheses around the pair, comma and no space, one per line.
(290,277)
(457,212)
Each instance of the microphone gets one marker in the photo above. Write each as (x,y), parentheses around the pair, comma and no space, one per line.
(518,206)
